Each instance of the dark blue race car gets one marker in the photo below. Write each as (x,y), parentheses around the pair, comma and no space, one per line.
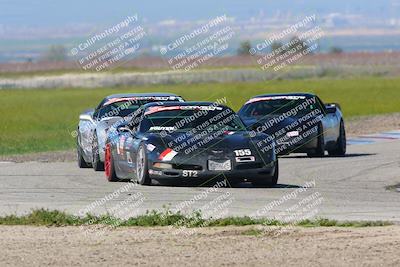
(188,142)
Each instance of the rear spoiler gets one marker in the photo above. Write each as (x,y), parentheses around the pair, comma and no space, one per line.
(328,105)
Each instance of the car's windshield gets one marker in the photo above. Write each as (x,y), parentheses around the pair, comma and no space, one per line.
(118,109)
(186,118)
(272,107)
(124,107)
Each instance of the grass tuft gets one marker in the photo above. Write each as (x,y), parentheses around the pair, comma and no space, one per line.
(44,217)
(253,232)
(395,187)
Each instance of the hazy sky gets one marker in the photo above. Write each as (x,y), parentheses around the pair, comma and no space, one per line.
(65,12)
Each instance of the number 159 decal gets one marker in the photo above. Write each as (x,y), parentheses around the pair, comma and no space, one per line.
(242,152)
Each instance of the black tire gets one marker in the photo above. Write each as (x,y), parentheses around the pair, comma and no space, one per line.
(234,182)
(81,161)
(271,181)
(341,143)
(109,166)
(319,151)
(96,163)
(142,168)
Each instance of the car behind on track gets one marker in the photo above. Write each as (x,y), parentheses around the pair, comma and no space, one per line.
(94,123)
(297,122)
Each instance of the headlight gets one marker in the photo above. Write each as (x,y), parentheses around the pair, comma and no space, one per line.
(293,134)
(150,147)
(162,165)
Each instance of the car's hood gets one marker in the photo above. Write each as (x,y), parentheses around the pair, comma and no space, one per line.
(111,119)
(106,123)
(225,141)
(269,124)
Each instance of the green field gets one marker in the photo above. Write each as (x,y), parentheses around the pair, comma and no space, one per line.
(42,120)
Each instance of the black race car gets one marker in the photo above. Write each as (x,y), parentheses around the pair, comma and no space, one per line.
(192,141)
(297,122)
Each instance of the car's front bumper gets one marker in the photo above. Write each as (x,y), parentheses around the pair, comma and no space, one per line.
(300,147)
(299,144)
(259,172)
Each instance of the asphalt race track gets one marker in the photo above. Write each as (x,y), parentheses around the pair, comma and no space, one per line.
(350,188)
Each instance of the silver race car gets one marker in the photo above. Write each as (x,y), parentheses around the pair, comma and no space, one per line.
(94,123)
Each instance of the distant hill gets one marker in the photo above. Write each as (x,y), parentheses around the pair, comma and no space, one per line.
(50,12)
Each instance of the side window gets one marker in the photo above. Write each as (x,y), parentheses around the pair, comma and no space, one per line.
(321,105)
(248,110)
(99,113)
(135,121)
(96,114)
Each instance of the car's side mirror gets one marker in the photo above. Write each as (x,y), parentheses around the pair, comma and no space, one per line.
(86,117)
(331,109)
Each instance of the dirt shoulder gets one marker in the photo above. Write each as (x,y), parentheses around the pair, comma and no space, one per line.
(224,246)
(51,156)
(354,126)
(372,124)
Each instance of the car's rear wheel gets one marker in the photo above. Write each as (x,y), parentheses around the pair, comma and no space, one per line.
(96,163)
(341,143)
(319,151)
(109,165)
(270,180)
(142,170)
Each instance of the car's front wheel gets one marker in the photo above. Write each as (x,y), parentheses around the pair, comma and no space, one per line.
(270,180)
(319,151)
(97,164)
(109,165)
(142,170)
(341,143)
